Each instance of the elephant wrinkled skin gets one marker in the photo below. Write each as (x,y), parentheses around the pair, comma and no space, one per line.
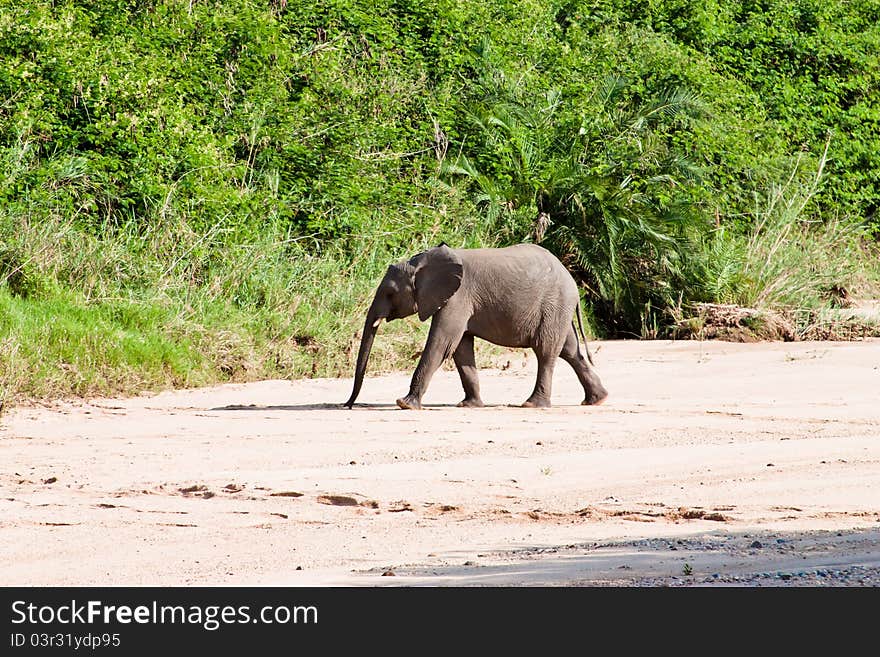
(518,296)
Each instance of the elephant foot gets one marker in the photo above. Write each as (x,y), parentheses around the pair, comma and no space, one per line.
(536,403)
(409,402)
(595,398)
(470,403)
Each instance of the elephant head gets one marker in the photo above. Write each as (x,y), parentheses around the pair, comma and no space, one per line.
(422,284)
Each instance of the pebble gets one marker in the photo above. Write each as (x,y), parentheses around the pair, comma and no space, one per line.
(852,576)
(815,575)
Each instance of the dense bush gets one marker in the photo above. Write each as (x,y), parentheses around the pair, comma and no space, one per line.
(329,115)
(227,179)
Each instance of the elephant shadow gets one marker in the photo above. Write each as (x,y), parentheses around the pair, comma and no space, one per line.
(325,407)
(288,407)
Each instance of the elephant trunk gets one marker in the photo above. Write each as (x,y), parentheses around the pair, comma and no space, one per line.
(370,328)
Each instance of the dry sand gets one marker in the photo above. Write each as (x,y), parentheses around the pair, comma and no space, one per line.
(710,462)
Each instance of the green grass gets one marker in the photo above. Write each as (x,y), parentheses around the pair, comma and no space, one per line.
(129,311)
(791,259)
(62,345)
(124,313)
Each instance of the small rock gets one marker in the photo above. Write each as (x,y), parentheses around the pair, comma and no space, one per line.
(50,480)
(756,545)
(388,573)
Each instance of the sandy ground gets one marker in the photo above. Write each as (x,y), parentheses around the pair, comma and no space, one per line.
(710,463)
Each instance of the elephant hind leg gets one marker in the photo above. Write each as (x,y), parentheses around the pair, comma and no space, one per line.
(540,397)
(594,391)
(467,370)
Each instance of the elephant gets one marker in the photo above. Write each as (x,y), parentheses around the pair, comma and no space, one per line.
(517,296)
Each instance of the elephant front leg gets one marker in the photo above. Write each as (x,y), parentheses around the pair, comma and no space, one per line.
(467,370)
(438,348)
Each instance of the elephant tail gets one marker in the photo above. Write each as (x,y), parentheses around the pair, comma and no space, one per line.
(580,326)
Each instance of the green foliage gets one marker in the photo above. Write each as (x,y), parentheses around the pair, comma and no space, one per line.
(609,193)
(794,71)
(787,261)
(200,191)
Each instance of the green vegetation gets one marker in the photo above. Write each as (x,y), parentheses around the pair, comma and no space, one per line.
(201,191)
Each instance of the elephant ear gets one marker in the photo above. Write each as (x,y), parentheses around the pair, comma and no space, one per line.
(437,277)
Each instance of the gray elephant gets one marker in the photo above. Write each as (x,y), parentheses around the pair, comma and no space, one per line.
(518,296)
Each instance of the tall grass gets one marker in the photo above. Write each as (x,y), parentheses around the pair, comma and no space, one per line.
(791,259)
(130,310)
